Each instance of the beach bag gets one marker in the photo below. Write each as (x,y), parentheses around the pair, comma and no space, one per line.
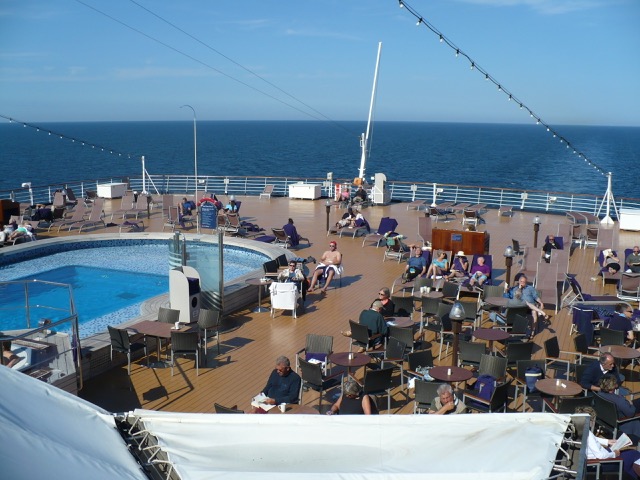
(531,376)
(485,386)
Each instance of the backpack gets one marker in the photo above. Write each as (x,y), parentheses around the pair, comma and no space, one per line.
(531,376)
(485,385)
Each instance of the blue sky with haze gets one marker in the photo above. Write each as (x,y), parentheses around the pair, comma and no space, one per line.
(570,61)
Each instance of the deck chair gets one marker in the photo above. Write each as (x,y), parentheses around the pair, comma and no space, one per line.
(575,294)
(505,211)
(470,217)
(268,190)
(282,239)
(95,216)
(78,215)
(294,237)
(317,348)
(126,204)
(629,287)
(437,214)
(397,250)
(518,248)
(387,224)
(71,197)
(424,230)
(547,283)
(284,296)
(416,204)
(604,270)
(590,237)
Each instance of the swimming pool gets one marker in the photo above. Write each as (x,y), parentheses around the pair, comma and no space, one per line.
(110,278)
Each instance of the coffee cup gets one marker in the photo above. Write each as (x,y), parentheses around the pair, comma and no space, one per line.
(283,407)
(449,371)
(177,325)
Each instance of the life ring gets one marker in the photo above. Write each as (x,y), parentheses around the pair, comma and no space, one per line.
(206,199)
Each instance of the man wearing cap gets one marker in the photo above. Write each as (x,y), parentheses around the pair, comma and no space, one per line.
(330,264)
(460,266)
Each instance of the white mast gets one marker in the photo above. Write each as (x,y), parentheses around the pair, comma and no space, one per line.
(364,138)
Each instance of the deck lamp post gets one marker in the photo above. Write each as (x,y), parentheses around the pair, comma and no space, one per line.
(195,160)
(327,204)
(508,262)
(536,229)
(457,315)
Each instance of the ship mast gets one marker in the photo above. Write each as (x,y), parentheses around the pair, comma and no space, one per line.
(364,138)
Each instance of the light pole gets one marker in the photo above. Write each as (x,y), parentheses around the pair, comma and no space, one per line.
(536,229)
(328,206)
(457,316)
(508,261)
(195,161)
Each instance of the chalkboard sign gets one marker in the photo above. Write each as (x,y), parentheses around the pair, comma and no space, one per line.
(208,215)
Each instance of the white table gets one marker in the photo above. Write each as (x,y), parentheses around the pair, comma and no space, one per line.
(111,190)
(309,191)
(629,219)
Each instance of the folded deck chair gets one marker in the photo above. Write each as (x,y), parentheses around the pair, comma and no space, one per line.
(95,216)
(78,215)
(387,224)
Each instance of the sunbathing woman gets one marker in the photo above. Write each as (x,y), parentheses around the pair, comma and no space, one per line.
(439,266)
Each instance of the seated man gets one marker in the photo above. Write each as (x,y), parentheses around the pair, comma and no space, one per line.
(360,195)
(294,275)
(186,207)
(232,206)
(621,320)
(633,260)
(330,264)
(291,231)
(479,272)
(416,265)
(547,247)
(522,294)
(375,323)
(460,267)
(283,385)
(446,402)
(596,370)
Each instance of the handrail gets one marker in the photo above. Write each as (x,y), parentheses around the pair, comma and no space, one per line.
(533,199)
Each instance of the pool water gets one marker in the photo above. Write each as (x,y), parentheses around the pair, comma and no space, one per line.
(96,293)
(137,271)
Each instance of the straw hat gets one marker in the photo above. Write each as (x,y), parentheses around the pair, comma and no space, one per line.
(460,254)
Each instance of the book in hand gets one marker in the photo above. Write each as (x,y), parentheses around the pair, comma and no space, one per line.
(622,442)
(258,402)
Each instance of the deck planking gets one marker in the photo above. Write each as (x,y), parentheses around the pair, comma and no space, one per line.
(251,342)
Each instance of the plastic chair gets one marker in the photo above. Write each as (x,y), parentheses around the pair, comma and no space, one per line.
(378,382)
(121,342)
(313,378)
(424,393)
(210,320)
(222,409)
(185,343)
(284,296)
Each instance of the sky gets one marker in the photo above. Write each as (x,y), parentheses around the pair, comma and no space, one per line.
(571,62)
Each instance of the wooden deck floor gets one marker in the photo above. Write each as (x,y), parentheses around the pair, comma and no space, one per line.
(251,342)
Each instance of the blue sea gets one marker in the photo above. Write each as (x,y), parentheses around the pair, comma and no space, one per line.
(499,155)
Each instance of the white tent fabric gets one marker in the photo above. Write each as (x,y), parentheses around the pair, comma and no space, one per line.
(514,446)
(49,433)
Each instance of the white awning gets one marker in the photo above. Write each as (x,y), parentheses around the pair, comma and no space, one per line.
(480,446)
(48,433)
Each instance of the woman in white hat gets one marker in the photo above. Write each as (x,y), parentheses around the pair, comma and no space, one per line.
(460,266)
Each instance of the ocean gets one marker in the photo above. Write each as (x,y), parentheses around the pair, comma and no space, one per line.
(497,155)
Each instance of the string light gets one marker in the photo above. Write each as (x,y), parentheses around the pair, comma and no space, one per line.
(474,66)
(66,137)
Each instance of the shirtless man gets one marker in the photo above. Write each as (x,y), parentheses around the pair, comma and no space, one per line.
(330,262)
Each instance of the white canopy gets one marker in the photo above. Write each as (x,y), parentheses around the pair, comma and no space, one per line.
(48,433)
(486,446)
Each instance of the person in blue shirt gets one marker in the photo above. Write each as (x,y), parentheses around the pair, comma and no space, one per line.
(621,320)
(283,385)
(416,265)
(522,294)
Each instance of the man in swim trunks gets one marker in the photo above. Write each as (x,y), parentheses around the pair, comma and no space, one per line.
(330,264)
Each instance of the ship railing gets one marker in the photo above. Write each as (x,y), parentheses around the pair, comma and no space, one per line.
(432,193)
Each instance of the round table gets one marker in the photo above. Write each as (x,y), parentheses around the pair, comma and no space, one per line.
(342,359)
(260,283)
(497,301)
(294,409)
(458,374)
(558,388)
(402,322)
(491,335)
(620,352)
